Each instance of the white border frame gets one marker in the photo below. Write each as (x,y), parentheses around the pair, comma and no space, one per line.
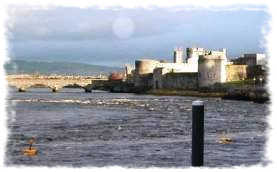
(209,4)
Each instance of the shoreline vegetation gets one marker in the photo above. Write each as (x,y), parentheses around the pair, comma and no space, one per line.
(258,96)
(238,90)
(247,90)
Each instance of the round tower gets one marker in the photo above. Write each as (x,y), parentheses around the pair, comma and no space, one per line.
(211,69)
(145,66)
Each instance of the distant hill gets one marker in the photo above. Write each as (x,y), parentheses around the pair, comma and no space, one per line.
(60,68)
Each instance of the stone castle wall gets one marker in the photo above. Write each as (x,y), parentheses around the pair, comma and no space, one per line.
(183,81)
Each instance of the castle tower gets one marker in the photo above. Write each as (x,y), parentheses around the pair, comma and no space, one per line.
(128,69)
(193,55)
(178,55)
(212,69)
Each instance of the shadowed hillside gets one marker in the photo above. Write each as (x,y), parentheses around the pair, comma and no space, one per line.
(60,68)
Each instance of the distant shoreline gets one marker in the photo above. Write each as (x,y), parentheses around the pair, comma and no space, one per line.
(256,96)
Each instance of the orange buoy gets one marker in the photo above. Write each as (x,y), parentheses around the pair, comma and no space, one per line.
(30,151)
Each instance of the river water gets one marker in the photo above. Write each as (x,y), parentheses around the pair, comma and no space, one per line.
(74,128)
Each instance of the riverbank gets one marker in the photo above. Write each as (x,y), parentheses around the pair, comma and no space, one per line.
(173,92)
(237,90)
(258,95)
(231,91)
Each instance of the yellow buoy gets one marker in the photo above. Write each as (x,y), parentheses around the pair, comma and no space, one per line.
(225,140)
(30,151)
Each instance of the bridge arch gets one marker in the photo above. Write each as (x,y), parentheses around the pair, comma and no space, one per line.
(55,83)
(23,88)
(54,88)
(86,87)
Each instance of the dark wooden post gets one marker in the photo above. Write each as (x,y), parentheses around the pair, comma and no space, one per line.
(197,133)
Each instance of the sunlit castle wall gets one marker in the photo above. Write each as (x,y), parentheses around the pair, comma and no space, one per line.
(178,67)
(147,66)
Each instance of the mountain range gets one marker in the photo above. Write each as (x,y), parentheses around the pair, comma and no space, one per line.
(59,68)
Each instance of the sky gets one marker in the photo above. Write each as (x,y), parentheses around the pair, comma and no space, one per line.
(117,36)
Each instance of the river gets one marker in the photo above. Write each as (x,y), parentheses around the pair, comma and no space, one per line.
(100,129)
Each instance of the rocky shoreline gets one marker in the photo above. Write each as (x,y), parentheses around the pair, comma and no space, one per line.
(258,95)
(255,95)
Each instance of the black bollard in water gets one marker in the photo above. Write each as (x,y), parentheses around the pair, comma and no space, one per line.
(197,133)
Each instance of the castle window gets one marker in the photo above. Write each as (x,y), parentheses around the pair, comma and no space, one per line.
(211,75)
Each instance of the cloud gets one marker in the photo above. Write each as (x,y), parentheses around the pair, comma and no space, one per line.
(90,35)
(85,24)
(67,23)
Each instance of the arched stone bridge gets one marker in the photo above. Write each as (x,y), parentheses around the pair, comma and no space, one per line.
(55,83)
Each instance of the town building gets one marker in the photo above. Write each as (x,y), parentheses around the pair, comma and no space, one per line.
(256,65)
(251,59)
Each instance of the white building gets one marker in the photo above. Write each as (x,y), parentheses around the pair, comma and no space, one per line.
(254,59)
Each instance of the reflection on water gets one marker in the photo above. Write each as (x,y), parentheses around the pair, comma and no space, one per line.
(73,128)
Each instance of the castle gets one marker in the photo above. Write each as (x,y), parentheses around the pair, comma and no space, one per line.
(190,69)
